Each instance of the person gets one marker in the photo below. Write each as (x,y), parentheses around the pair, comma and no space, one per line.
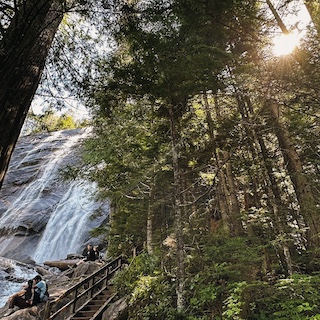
(96,253)
(89,253)
(22,299)
(40,290)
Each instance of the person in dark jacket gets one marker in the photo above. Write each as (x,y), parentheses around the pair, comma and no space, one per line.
(22,299)
(89,253)
(96,253)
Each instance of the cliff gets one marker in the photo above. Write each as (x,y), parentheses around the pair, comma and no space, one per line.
(42,216)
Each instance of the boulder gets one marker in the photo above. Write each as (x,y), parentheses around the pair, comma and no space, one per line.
(117,310)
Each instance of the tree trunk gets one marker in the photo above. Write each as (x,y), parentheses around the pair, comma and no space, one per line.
(274,201)
(150,220)
(230,210)
(24,49)
(300,182)
(221,188)
(180,289)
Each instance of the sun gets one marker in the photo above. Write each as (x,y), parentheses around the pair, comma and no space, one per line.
(297,20)
(285,43)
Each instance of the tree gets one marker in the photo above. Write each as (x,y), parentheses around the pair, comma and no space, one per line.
(166,56)
(231,159)
(28,28)
(314,11)
(24,47)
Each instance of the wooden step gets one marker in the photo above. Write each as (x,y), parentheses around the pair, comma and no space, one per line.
(92,307)
(85,313)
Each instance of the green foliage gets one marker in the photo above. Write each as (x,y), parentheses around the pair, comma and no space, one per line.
(164,58)
(50,121)
(234,303)
(142,265)
(128,228)
(290,299)
(152,299)
(150,292)
(221,264)
(295,298)
(216,289)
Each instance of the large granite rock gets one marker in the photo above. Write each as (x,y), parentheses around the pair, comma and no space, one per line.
(43,216)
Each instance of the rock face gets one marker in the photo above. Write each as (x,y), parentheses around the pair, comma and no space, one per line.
(42,216)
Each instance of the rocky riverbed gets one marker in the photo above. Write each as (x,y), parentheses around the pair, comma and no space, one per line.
(15,274)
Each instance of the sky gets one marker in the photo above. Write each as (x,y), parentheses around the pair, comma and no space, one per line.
(296,19)
(295,16)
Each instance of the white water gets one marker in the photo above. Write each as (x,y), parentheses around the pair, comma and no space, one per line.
(67,225)
(32,192)
(19,275)
(72,203)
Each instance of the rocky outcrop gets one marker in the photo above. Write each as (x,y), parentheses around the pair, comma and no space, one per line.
(58,282)
(43,216)
(117,310)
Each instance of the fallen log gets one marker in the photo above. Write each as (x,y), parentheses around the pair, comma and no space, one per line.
(62,264)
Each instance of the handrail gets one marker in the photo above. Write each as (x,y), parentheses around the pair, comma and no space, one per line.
(95,282)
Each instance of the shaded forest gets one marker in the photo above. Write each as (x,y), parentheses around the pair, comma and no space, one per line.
(207,145)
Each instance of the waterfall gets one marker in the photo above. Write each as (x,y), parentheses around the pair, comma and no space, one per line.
(67,224)
(41,216)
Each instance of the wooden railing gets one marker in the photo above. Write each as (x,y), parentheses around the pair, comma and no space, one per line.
(81,293)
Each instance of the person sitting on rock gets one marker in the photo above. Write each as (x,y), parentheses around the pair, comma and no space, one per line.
(89,253)
(22,299)
(96,253)
(40,290)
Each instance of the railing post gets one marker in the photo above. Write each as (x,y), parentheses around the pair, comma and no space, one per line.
(46,313)
(92,287)
(107,276)
(74,300)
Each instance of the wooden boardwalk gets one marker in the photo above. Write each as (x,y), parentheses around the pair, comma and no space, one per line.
(86,300)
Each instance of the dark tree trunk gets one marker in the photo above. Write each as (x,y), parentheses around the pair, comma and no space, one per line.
(228,201)
(24,49)
(314,11)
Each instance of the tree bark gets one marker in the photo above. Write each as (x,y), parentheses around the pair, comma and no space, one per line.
(180,289)
(24,49)
(229,203)
(299,180)
(150,220)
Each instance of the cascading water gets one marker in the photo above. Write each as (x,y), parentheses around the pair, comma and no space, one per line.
(67,224)
(43,217)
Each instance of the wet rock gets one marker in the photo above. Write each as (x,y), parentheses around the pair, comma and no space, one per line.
(34,193)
